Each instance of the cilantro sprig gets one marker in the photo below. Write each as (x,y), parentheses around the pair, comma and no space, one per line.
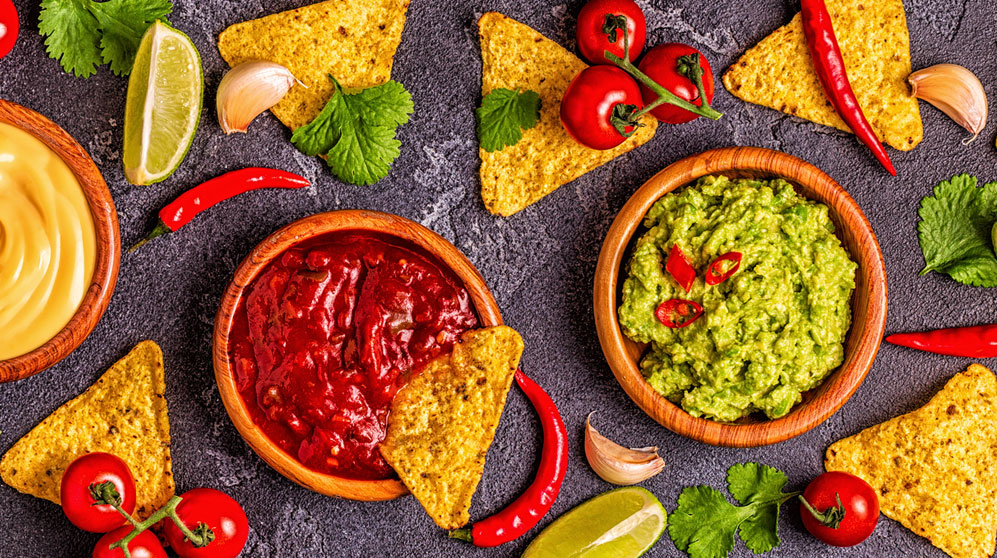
(955,231)
(503,115)
(355,132)
(83,34)
(705,522)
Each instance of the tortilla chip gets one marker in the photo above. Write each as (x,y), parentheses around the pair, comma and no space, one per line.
(778,72)
(935,469)
(354,40)
(442,423)
(123,413)
(514,56)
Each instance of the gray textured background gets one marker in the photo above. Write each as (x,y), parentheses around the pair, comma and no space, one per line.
(539,264)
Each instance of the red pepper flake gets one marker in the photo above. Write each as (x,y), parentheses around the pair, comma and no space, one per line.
(715,274)
(680,268)
(678,312)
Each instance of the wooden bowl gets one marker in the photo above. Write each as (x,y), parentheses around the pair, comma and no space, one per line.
(276,244)
(868,299)
(108,243)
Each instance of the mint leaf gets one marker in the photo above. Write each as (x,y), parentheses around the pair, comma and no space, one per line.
(503,115)
(954,231)
(83,34)
(752,483)
(71,35)
(704,523)
(356,131)
(122,24)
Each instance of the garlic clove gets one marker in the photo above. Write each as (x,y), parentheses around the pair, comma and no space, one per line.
(955,91)
(247,90)
(616,464)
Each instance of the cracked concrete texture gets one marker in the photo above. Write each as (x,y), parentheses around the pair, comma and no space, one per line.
(540,265)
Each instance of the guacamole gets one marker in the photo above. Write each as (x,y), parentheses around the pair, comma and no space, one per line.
(773,330)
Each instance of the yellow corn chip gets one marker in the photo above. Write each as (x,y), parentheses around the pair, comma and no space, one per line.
(443,421)
(514,56)
(353,40)
(778,72)
(935,469)
(123,413)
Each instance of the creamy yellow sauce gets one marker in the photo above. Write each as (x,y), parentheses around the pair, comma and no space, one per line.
(47,243)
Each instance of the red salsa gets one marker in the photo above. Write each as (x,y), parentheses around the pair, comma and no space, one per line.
(329,332)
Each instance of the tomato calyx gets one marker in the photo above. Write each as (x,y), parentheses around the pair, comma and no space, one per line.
(690,66)
(613,24)
(106,494)
(831,517)
(625,116)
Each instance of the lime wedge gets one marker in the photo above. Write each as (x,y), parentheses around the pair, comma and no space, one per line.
(163,105)
(621,523)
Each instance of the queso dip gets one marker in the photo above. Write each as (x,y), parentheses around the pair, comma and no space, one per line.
(47,244)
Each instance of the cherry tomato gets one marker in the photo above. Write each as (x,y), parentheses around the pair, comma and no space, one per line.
(661,64)
(9,26)
(223,515)
(832,494)
(592,99)
(593,41)
(145,545)
(77,500)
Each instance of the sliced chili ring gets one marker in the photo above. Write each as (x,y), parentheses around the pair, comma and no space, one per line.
(680,268)
(714,275)
(678,312)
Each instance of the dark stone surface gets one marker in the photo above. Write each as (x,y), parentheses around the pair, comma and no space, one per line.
(540,265)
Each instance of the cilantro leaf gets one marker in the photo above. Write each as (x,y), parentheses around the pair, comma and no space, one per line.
(71,35)
(704,523)
(503,115)
(954,231)
(753,483)
(83,34)
(122,24)
(356,131)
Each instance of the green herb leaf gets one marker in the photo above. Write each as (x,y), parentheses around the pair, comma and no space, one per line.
(503,115)
(356,131)
(83,34)
(954,231)
(705,523)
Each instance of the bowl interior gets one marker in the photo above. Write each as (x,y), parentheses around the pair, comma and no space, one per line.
(868,298)
(108,243)
(383,224)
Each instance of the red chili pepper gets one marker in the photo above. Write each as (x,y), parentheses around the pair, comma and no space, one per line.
(830,67)
(207,194)
(713,274)
(680,268)
(515,520)
(678,312)
(974,342)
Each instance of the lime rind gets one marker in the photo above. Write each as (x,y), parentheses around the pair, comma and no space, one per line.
(158,100)
(615,523)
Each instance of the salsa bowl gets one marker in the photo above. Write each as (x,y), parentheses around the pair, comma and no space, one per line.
(298,232)
(868,303)
(108,243)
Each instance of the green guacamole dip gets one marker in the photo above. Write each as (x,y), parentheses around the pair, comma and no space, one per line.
(771,331)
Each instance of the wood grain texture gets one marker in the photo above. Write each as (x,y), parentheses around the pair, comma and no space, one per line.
(868,300)
(299,231)
(108,240)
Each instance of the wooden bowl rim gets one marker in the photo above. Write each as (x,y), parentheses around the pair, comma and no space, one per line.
(107,236)
(277,243)
(840,385)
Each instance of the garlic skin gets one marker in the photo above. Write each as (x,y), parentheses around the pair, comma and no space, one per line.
(955,91)
(616,464)
(249,89)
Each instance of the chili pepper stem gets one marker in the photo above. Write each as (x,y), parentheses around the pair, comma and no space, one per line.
(159,230)
(169,510)
(461,534)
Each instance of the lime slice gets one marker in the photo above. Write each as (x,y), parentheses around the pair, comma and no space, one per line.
(163,106)
(621,523)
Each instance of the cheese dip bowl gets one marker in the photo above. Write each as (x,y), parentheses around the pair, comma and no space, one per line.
(59,243)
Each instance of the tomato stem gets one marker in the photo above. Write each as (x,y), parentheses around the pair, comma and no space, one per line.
(831,517)
(685,67)
(201,536)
